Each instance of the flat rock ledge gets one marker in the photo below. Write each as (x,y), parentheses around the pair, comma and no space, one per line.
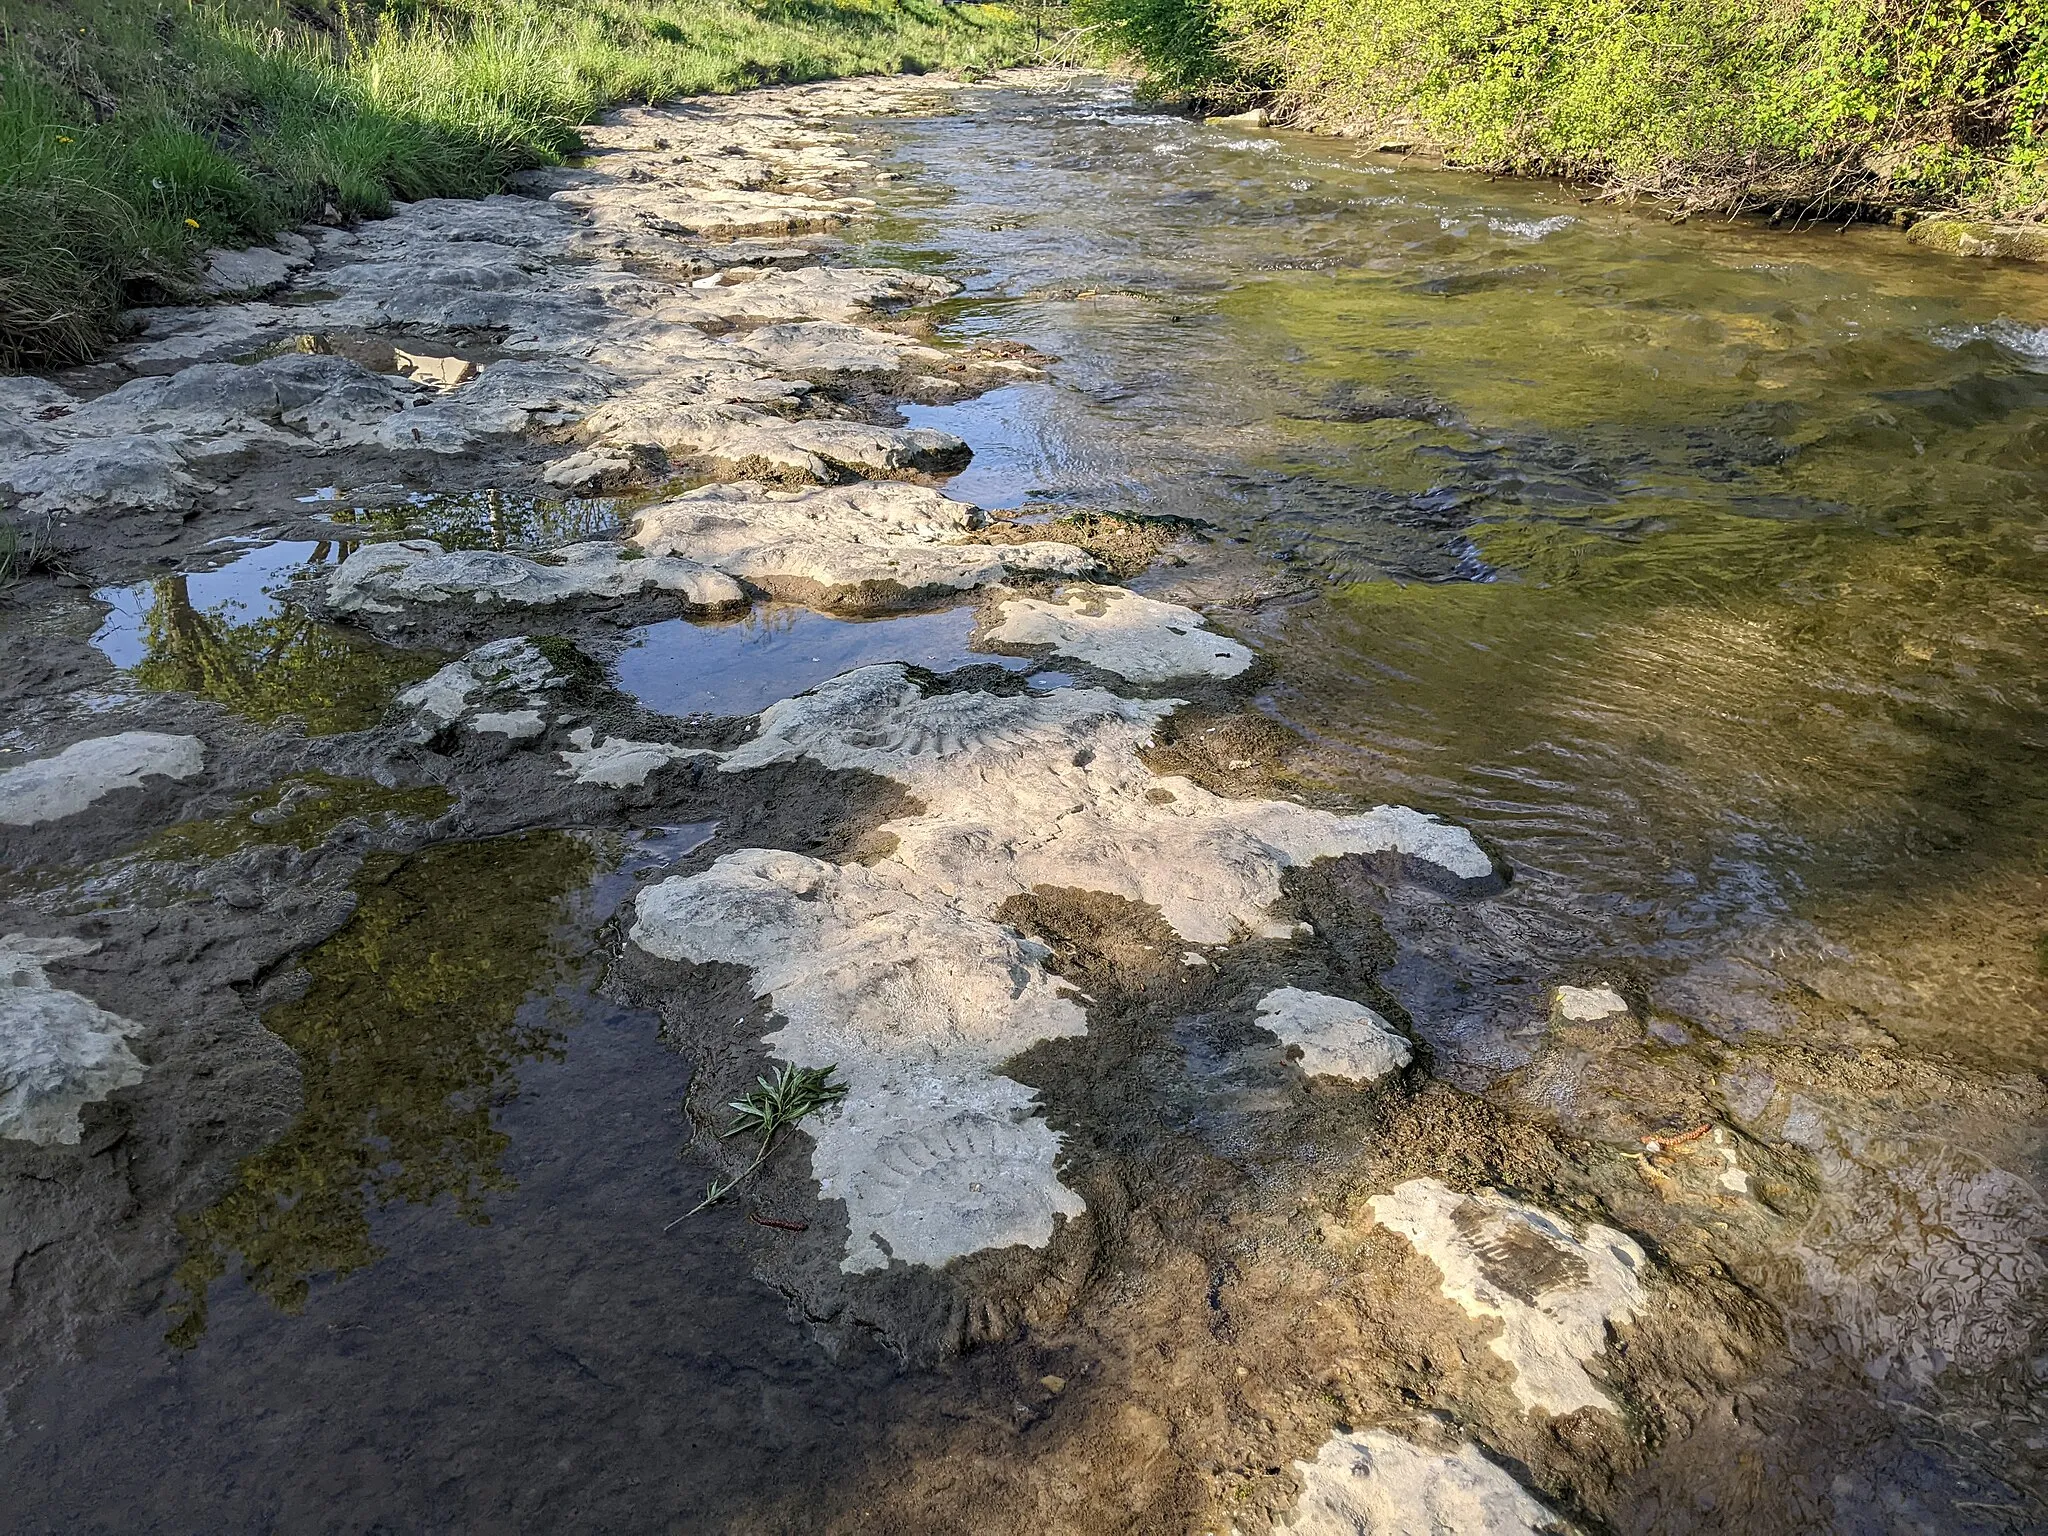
(58,1051)
(1377,1484)
(85,772)
(1554,1291)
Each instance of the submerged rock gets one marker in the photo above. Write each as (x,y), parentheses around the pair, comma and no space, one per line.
(1554,1293)
(87,771)
(1335,1036)
(58,1051)
(1377,1484)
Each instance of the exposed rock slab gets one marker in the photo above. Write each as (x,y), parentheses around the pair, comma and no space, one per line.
(58,1051)
(1048,789)
(1138,638)
(861,546)
(1335,1036)
(495,684)
(86,771)
(617,763)
(917,1003)
(1555,1292)
(383,578)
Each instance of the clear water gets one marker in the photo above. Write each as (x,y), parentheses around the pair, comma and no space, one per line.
(1702,568)
(740,668)
(228,635)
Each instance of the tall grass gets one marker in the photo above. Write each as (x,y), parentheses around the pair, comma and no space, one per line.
(136,133)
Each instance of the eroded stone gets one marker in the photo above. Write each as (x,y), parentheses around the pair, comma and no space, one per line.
(86,771)
(1554,1292)
(1137,638)
(58,1051)
(1335,1036)
(1377,1484)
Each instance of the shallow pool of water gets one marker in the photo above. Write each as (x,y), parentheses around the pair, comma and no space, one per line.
(228,635)
(739,668)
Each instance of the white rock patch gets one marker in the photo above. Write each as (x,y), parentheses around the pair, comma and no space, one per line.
(1135,637)
(1048,789)
(918,1004)
(619,763)
(1586,1005)
(54,787)
(381,578)
(58,1050)
(872,543)
(1377,1484)
(512,674)
(1336,1037)
(1554,1293)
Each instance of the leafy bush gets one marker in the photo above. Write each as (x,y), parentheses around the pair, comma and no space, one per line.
(1934,102)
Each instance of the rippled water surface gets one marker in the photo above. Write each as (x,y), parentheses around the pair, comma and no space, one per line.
(1701,567)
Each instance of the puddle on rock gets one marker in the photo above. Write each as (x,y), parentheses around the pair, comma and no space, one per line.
(483,519)
(229,636)
(740,668)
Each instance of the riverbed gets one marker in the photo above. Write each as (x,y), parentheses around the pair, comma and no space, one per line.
(1456,931)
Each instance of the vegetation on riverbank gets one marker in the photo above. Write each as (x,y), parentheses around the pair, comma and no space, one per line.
(136,133)
(1713,103)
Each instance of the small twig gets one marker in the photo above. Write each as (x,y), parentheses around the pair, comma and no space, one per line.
(781,1226)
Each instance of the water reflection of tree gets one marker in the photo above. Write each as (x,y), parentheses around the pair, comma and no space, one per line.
(409,1034)
(281,664)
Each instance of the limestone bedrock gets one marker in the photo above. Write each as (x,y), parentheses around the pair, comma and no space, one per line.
(898,973)
(1377,1484)
(868,545)
(1336,1037)
(618,763)
(58,1051)
(917,1004)
(1555,1293)
(86,771)
(1586,1005)
(1138,638)
(382,578)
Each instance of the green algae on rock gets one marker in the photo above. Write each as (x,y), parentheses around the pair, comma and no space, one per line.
(410,1032)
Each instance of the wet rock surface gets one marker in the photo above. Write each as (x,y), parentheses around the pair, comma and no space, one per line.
(1164,1193)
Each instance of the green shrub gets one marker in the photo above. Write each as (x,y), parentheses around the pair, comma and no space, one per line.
(1931,102)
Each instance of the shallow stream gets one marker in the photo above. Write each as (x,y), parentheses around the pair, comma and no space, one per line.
(1702,570)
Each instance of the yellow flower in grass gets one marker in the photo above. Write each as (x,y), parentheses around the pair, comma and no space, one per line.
(191,223)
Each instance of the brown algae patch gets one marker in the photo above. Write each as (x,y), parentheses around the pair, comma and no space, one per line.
(1125,546)
(409,1033)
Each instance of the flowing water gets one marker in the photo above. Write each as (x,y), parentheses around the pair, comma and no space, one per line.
(1702,569)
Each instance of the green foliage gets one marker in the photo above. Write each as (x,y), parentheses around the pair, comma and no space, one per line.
(1180,42)
(135,135)
(409,1035)
(773,1105)
(1930,102)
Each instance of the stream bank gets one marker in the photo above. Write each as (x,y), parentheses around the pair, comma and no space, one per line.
(1228,1142)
